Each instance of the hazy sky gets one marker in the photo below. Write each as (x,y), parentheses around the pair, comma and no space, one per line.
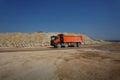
(100,19)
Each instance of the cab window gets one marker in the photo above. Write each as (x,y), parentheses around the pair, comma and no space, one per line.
(54,38)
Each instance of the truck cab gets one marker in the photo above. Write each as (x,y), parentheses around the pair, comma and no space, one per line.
(54,40)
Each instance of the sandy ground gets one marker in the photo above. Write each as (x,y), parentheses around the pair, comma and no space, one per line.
(96,62)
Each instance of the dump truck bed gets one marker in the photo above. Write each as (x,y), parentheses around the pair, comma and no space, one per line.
(67,38)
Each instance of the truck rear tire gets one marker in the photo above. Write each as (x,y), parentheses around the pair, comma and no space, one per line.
(78,44)
(65,45)
(75,44)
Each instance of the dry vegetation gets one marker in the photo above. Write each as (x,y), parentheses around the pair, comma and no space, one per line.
(32,39)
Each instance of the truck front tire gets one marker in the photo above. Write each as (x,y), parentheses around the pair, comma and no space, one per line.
(58,45)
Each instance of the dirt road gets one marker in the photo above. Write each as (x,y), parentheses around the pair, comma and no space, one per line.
(91,62)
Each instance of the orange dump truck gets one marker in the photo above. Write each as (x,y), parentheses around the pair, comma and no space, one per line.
(62,40)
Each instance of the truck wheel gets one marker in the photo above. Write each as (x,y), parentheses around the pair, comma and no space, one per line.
(78,44)
(58,45)
(65,45)
(75,44)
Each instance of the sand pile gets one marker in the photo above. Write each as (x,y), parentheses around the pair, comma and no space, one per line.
(33,39)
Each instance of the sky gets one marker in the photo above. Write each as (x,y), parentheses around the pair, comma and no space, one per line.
(99,19)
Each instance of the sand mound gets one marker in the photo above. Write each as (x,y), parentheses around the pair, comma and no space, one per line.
(33,39)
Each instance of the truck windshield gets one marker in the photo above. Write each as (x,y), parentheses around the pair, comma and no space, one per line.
(54,38)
